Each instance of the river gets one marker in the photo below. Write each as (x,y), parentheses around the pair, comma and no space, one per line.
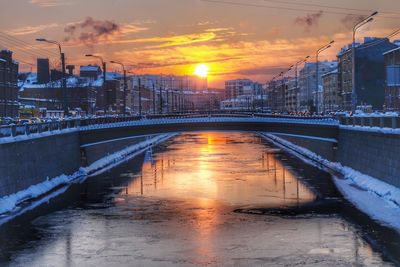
(202,199)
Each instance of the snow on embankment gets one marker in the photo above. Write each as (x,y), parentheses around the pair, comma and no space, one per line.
(380,200)
(10,203)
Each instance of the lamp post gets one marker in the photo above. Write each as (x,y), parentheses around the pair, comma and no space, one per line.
(319,51)
(367,20)
(103,63)
(154,97)
(283,87)
(64,82)
(124,100)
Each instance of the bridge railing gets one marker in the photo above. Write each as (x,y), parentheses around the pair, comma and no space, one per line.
(392,122)
(38,128)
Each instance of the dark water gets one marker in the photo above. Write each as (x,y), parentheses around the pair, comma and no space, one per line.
(207,199)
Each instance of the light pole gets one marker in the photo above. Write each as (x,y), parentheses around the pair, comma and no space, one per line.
(353,58)
(103,63)
(124,100)
(64,82)
(154,97)
(283,87)
(319,51)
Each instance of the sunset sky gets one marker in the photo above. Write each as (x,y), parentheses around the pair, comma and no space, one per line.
(253,39)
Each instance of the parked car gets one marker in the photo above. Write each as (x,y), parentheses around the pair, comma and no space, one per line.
(8,121)
(24,122)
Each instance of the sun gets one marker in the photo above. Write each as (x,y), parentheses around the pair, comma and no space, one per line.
(201,70)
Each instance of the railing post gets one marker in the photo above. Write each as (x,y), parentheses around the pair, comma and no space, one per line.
(27,129)
(381,122)
(13,130)
(394,122)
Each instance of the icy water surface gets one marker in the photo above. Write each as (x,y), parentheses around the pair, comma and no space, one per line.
(206,199)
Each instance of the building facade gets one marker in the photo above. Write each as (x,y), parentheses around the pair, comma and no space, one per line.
(370,73)
(392,88)
(9,104)
(309,94)
(332,97)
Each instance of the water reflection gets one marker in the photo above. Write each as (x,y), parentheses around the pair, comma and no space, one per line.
(177,210)
(233,168)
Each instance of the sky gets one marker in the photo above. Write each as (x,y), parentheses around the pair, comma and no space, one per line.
(254,39)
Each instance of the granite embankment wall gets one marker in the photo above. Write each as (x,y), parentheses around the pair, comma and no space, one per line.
(373,153)
(29,162)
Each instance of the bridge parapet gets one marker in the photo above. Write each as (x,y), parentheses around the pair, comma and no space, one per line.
(109,122)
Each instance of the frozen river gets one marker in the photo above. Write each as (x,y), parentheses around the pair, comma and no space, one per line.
(205,199)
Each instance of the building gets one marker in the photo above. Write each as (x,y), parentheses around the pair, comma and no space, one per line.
(276,91)
(43,70)
(332,97)
(235,88)
(8,85)
(80,94)
(308,95)
(243,94)
(90,71)
(369,73)
(392,88)
(291,96)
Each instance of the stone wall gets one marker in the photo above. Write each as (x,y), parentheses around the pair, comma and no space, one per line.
(372,153)
(25,163)
(323,147)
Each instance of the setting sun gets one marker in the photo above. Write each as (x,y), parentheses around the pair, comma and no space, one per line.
(201,70)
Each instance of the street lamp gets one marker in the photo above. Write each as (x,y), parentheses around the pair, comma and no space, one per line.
(64,82)
(103,63)
(319,51)
(123,68)
(367,20)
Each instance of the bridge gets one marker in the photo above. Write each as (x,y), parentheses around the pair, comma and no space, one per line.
(40,154)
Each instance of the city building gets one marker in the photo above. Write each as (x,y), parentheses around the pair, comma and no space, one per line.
(309,96)
(80,94)
(243,94)
(8,85)
(291,96)
(331,99)
(43,70)
(369,73)
(235,88)
(392,89)
(90,71)
(276,91)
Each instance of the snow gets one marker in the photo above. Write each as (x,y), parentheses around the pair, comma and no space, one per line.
(380,200)
(210,119)
(18,138)
(10,203)
(371,129)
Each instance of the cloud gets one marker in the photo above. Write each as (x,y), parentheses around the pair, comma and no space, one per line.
(309,21)
(49,3)
(31,29)
(90,31)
